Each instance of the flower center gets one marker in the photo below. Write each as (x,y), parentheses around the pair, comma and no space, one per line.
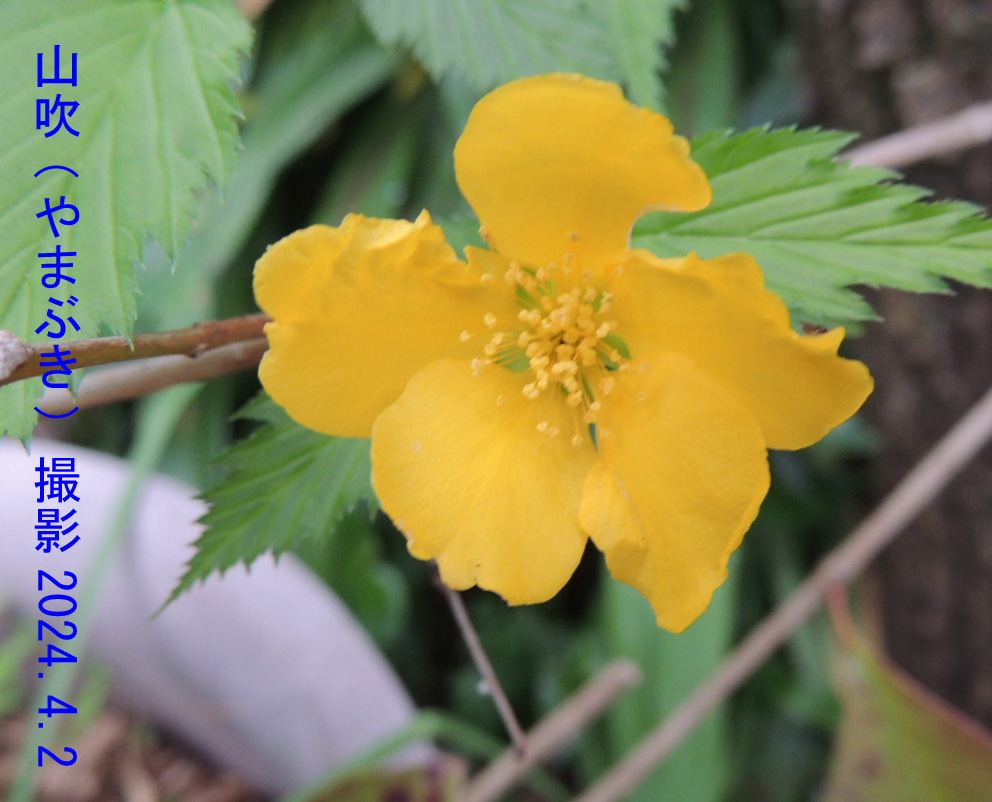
(562,337)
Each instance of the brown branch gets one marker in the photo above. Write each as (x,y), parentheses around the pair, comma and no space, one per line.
(122,383)
(13,353)
(930,475)
(554,731)
(967,128)
(108,350)
(481,660)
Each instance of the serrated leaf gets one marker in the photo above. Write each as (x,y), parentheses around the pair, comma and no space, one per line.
(157,120)
(897,740)
(286,484)
(336,64)
(489,42)
(819,227)
(323,62)
(638,30)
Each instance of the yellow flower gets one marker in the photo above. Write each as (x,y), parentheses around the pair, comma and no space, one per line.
(558,386)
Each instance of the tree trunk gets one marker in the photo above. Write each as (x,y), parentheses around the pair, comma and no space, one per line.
(877,66)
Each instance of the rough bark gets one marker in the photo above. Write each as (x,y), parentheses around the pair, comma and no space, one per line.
(877,66)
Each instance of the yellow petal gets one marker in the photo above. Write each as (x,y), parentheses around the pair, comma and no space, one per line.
(358,310)
(543,160)
(718,312)
(682,473)
(459,464)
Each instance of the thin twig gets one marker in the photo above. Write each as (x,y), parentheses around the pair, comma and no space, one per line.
(125,382)
(554,731)
(960,131)
(481,660)
(930,475)
(108,350)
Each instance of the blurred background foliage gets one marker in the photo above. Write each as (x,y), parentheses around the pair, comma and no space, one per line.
(350,107)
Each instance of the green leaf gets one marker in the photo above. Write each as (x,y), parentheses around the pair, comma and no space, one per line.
(673,667)
(336,64)
(897,740)
(323,63)
(489,42)
(462,232)
(157,121)
(638,31)
(819,227)
(286,484)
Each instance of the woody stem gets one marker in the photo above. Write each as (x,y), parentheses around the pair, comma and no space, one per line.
(189,342)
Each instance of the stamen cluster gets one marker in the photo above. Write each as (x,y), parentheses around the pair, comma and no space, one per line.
(561,336)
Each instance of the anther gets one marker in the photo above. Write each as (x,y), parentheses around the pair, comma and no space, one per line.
(573,235)
(490,320)
(484,233)
(486,278)
(465,336)
(577,441)
(543,427)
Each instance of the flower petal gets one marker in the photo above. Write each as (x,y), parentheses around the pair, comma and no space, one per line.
(459,465)
(682,473)
(358,310)
(541,158)
(718,312)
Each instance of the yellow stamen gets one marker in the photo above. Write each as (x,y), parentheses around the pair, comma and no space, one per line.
(562,338)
